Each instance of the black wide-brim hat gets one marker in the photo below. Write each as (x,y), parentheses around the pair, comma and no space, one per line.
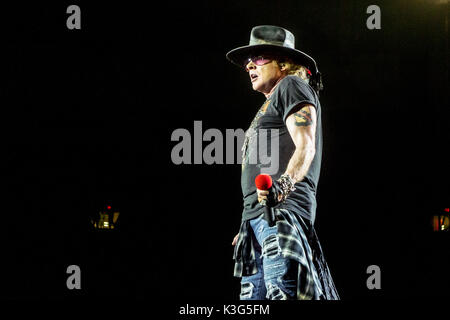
(271,40)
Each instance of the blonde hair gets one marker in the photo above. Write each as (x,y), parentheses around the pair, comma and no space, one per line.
(295,69)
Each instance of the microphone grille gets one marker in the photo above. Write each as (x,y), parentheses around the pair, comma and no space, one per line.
(263,182)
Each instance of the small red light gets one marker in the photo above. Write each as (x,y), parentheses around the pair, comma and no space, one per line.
(447,209)
(108,207)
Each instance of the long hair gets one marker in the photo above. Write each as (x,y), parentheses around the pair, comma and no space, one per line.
(314,80)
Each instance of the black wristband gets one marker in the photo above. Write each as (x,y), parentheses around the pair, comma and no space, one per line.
(280,190)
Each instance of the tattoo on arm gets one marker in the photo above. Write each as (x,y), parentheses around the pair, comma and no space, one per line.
(303,118)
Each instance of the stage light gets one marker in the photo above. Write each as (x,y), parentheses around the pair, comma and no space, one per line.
(106,219)
(441,221)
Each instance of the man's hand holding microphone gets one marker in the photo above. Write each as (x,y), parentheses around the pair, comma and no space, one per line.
(270,193)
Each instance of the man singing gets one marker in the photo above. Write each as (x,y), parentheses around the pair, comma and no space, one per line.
(283,261)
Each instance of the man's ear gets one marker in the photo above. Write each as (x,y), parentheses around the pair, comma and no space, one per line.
(283,66)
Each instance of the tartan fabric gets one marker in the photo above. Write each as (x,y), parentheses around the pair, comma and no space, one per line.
(298,241)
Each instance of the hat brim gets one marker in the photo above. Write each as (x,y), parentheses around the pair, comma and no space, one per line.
(240,55)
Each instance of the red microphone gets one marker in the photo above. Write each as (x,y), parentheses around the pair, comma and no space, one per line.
(264,182)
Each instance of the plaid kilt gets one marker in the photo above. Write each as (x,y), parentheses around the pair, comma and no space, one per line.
(298,241)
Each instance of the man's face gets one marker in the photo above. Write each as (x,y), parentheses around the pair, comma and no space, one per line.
(264,73)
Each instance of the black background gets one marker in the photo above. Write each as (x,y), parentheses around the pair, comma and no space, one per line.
(87,118)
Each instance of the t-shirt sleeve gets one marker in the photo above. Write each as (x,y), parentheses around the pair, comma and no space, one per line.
(292,93)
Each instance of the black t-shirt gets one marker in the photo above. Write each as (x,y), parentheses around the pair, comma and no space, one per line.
(268,131)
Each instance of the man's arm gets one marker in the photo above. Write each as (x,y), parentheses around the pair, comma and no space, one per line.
(302,128)
(301,125)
